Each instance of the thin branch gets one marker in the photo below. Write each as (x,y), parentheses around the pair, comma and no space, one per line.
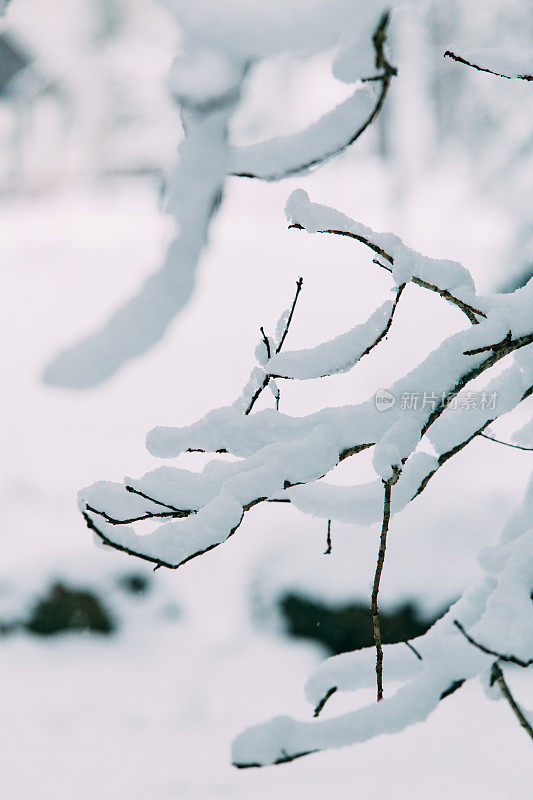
(266,379)
(256,394)
(382,334)
(388,72)
(415,651)
(501,352)
(461,60)
(299,284)
(444,457)
(452,688)
(179,511)
(507,338)
(199,450)
(347,453)
(507,444)
(467,309)
(327,551)
(148,515)
(496,676)
(266,341)
(375,589)
(500,656)
(324,700)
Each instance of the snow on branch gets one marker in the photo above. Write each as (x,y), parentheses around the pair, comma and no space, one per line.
(207,83)
(284,459)
(322,140)
(447,278)
(496,609)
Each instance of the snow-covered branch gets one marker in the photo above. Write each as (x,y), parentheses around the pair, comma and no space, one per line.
(496,609)
(207,83)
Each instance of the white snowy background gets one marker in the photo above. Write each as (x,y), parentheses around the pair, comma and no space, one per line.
(150,712)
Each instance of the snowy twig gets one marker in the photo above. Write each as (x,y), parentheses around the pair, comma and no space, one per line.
(359,335)
(471,312)
(319,141)
(267,377)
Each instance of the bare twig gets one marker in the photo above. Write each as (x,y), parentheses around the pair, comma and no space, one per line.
(496,676)
(299,284)
(327,551)
(148,515)
(377,577)
(500,656)
(507,444)
(266,341)
(461,60)
(179,511)
(266,379)
(324,700)
(415,651)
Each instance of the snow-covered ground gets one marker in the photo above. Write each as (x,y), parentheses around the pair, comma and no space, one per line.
(150,713)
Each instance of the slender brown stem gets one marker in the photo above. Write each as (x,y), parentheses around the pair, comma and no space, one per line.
(299,284)
(375,589)
(500,656)
(327,551)
(324,700)
(507,444)
(461,60)
(266,379)
(496,676)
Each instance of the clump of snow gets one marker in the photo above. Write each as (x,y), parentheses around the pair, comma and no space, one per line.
(285,155)
(337,355)
(203,75)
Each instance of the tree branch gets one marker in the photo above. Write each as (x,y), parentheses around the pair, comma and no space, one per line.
(496,676)
(377,577)
(507,444)
(500,656)
(266,379)
(461,60)
(385,77)
(467,309)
